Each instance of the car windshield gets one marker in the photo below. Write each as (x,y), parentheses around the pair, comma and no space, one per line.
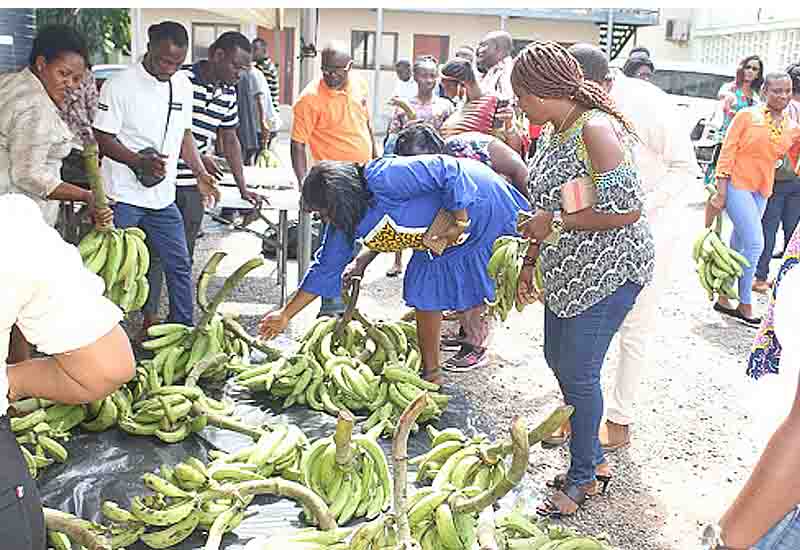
(692,84)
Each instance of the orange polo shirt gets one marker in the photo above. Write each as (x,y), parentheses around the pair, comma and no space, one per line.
(748,155)
(334,123)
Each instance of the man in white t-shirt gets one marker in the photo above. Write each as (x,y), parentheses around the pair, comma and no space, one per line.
(58,305)
(668,167)
(143,124)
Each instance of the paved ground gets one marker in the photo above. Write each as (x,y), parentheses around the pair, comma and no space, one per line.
(700,428)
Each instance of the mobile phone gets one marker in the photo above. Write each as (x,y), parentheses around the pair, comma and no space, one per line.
(498,123)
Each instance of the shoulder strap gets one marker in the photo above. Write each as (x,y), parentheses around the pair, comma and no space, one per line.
(169,113)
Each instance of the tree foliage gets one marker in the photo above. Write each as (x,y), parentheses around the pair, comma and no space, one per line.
(105,29)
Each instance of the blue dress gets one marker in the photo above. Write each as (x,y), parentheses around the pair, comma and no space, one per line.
(407,194)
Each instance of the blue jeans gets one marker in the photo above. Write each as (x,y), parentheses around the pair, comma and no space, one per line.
(575,348)
(782,207)
(165,234)
(785,535)
(745,209)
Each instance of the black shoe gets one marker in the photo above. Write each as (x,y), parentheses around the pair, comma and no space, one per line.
(452,342)
(777,255)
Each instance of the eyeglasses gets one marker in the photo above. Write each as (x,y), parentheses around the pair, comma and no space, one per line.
(332,69)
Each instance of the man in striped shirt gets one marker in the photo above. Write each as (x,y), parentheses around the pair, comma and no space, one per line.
(214,118)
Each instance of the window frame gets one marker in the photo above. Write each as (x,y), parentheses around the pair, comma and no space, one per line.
(215,27)
(361,64)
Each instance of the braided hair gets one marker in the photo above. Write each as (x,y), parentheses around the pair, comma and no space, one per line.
(547,69)
(418,139)
(340,188)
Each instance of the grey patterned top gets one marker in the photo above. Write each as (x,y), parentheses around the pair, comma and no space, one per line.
(585,267)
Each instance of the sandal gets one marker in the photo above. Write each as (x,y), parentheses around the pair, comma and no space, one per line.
(574,494)
(394,272)
(434,377)
(736,314)
(600,485)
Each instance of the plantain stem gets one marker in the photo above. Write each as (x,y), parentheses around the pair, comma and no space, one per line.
(271,353)
(284,488)
(342,438)
(400,462)
(227,423)
(519,463)
(81,532)
(230,283)
(202,366)
(209,270)
(378,336)
(550,424)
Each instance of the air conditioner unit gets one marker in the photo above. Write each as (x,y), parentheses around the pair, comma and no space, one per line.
(677,30)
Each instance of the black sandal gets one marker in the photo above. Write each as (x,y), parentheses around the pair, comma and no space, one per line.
(601,485)
(575,493)
(736,314)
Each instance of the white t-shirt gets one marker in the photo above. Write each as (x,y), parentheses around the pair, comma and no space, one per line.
(44,288)
(665,156)
(405,89)
(133,106)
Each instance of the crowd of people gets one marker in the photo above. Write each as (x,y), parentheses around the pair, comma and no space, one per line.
(597,157)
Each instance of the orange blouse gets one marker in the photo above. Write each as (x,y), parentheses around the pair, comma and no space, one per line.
(748,155)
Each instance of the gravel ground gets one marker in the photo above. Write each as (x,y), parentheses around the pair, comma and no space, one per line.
(700,425)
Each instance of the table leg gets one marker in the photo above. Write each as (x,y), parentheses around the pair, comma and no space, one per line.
(283,253)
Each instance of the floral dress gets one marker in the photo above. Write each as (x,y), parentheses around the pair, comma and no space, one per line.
(585,267)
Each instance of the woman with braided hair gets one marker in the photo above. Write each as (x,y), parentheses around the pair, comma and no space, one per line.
(596,250)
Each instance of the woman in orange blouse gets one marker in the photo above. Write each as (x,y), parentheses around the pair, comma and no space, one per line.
(757,139)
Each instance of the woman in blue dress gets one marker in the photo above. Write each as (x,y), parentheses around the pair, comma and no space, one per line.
(388,205)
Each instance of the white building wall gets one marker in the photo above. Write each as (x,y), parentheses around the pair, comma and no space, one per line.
(654,39)
(725,37)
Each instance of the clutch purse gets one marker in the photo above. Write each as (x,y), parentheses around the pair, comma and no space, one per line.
(441,223)
(578,194)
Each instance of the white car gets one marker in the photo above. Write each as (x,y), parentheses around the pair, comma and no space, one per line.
(695,87)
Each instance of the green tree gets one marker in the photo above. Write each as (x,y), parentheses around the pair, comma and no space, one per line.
(105,29)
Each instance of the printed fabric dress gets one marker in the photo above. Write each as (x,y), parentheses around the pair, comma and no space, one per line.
(407,194)
(585,267)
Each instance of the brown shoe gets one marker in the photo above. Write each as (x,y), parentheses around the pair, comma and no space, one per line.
(614,437)
(762,287)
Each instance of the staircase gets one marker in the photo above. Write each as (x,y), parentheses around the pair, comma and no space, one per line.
(622,34)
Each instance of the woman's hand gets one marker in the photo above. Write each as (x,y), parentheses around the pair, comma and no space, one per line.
(538,227)
(104,217)
(452,236)
(353,269)
(273,324)
(526,288)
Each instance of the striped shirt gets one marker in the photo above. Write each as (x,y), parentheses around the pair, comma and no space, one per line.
(213,108)
(270,71)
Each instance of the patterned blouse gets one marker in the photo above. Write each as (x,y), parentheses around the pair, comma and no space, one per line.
(434,113)
(585,267)
(33,141)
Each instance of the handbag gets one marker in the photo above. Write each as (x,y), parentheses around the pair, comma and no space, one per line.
(578,194)
(443,221)
(784,171)
(149,180)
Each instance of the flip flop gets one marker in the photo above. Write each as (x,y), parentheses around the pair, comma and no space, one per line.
(394,272)
(736,314)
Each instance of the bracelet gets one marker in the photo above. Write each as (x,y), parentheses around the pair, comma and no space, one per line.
(463,223)
(529,261)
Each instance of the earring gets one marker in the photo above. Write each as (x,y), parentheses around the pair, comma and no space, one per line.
(541,100)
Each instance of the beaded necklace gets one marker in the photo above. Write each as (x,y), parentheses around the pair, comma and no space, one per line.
(775,131)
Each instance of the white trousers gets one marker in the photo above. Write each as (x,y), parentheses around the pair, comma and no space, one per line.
(638,330)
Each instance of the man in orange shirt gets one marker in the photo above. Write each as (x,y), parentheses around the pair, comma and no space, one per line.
(331,117)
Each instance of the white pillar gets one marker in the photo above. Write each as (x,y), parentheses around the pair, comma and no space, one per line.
(138,35)
(308,36)
(376,95)
(503,22)
(610,35)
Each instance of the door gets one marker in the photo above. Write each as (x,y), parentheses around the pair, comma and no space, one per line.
(280,48)
(432,44)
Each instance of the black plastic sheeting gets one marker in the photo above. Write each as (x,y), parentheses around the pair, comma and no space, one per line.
(109,466)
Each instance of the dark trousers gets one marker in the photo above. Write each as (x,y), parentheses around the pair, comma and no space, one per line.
(21,516)
(783,207)
(189,203)
(575,348)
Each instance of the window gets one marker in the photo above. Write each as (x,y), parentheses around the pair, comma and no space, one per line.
(692,84)
(204,34)
(362,49)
